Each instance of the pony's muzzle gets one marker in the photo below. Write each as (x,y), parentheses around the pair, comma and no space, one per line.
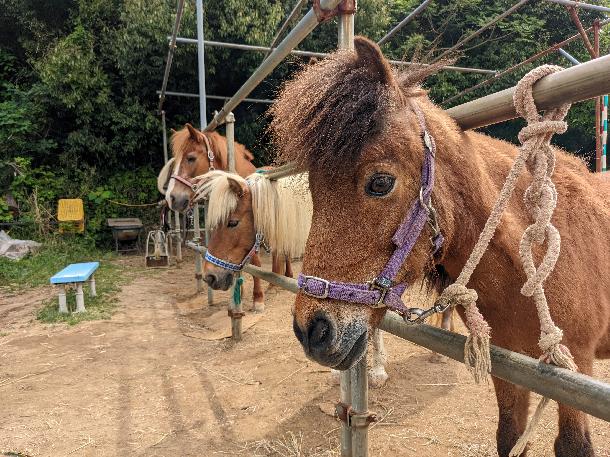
(178,202)
(219,280)
(324,343)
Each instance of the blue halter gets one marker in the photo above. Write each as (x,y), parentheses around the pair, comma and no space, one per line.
(235,266)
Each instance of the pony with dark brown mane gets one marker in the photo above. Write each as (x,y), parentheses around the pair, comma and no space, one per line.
(195,153)
(351,121)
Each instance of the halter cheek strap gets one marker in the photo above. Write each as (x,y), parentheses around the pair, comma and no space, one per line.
(210,153)
(382,292)
(235,266)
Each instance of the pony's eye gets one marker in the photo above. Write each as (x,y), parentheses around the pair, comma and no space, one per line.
(380,185)
(191,159)
(232,223)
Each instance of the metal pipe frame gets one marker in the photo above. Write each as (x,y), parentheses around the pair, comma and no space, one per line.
(404,22)
(296,35)
(572,389)
(586,6)
(295,11)
(321,55)
(170,52)
(216,97)
(511,69)
(568,56)
(476,33)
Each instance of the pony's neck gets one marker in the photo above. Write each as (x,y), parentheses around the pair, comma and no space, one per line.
(468,182)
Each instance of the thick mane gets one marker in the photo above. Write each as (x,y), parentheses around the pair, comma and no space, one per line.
(282,211)
(331,109)
(222,201)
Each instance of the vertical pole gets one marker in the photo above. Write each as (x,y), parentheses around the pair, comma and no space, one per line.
(598,117)
(346,399)
(351,440)
(235,300)
(165,156)
(203,122)
(346,26)
(605,134)
(360,405)
(201,65)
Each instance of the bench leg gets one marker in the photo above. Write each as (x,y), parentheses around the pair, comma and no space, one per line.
(92,290)
(80,299)
(63,308)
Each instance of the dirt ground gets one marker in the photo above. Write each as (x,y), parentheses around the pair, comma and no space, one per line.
(144,384)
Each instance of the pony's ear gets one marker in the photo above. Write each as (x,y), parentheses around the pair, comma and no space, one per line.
(235,186)
(196,135)
(369,56)
(172,131)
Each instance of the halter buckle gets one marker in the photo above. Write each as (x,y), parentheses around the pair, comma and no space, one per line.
(383,285)
(321,296)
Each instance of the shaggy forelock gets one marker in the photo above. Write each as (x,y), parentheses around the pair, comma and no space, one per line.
(328,111)
(222,201)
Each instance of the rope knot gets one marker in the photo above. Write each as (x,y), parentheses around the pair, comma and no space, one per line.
(457,294)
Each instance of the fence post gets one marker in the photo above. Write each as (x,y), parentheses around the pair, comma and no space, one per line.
(346,401)
(360,406)
(353,441)
(235,309)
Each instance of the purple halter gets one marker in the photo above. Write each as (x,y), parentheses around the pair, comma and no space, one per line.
(382,292)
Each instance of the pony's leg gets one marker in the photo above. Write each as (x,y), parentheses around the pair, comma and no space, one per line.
(447,321)
(377,373)
(258,298)
(288,272)
(574,438)
(335,377)
(513,403)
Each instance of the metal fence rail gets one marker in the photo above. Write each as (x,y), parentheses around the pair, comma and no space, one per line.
(573,389)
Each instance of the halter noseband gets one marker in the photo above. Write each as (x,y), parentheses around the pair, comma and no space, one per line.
(236,266)
(381,292)
(210,153)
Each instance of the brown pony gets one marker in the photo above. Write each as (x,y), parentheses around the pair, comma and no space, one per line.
(190,159)
(351,121)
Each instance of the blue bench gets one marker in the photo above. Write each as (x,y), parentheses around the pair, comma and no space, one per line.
(76,273)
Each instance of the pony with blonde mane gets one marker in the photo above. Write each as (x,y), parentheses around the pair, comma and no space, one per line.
(195,153)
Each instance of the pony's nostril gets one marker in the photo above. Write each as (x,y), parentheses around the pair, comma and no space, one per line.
(172,198)
(210,279)
(320,333)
